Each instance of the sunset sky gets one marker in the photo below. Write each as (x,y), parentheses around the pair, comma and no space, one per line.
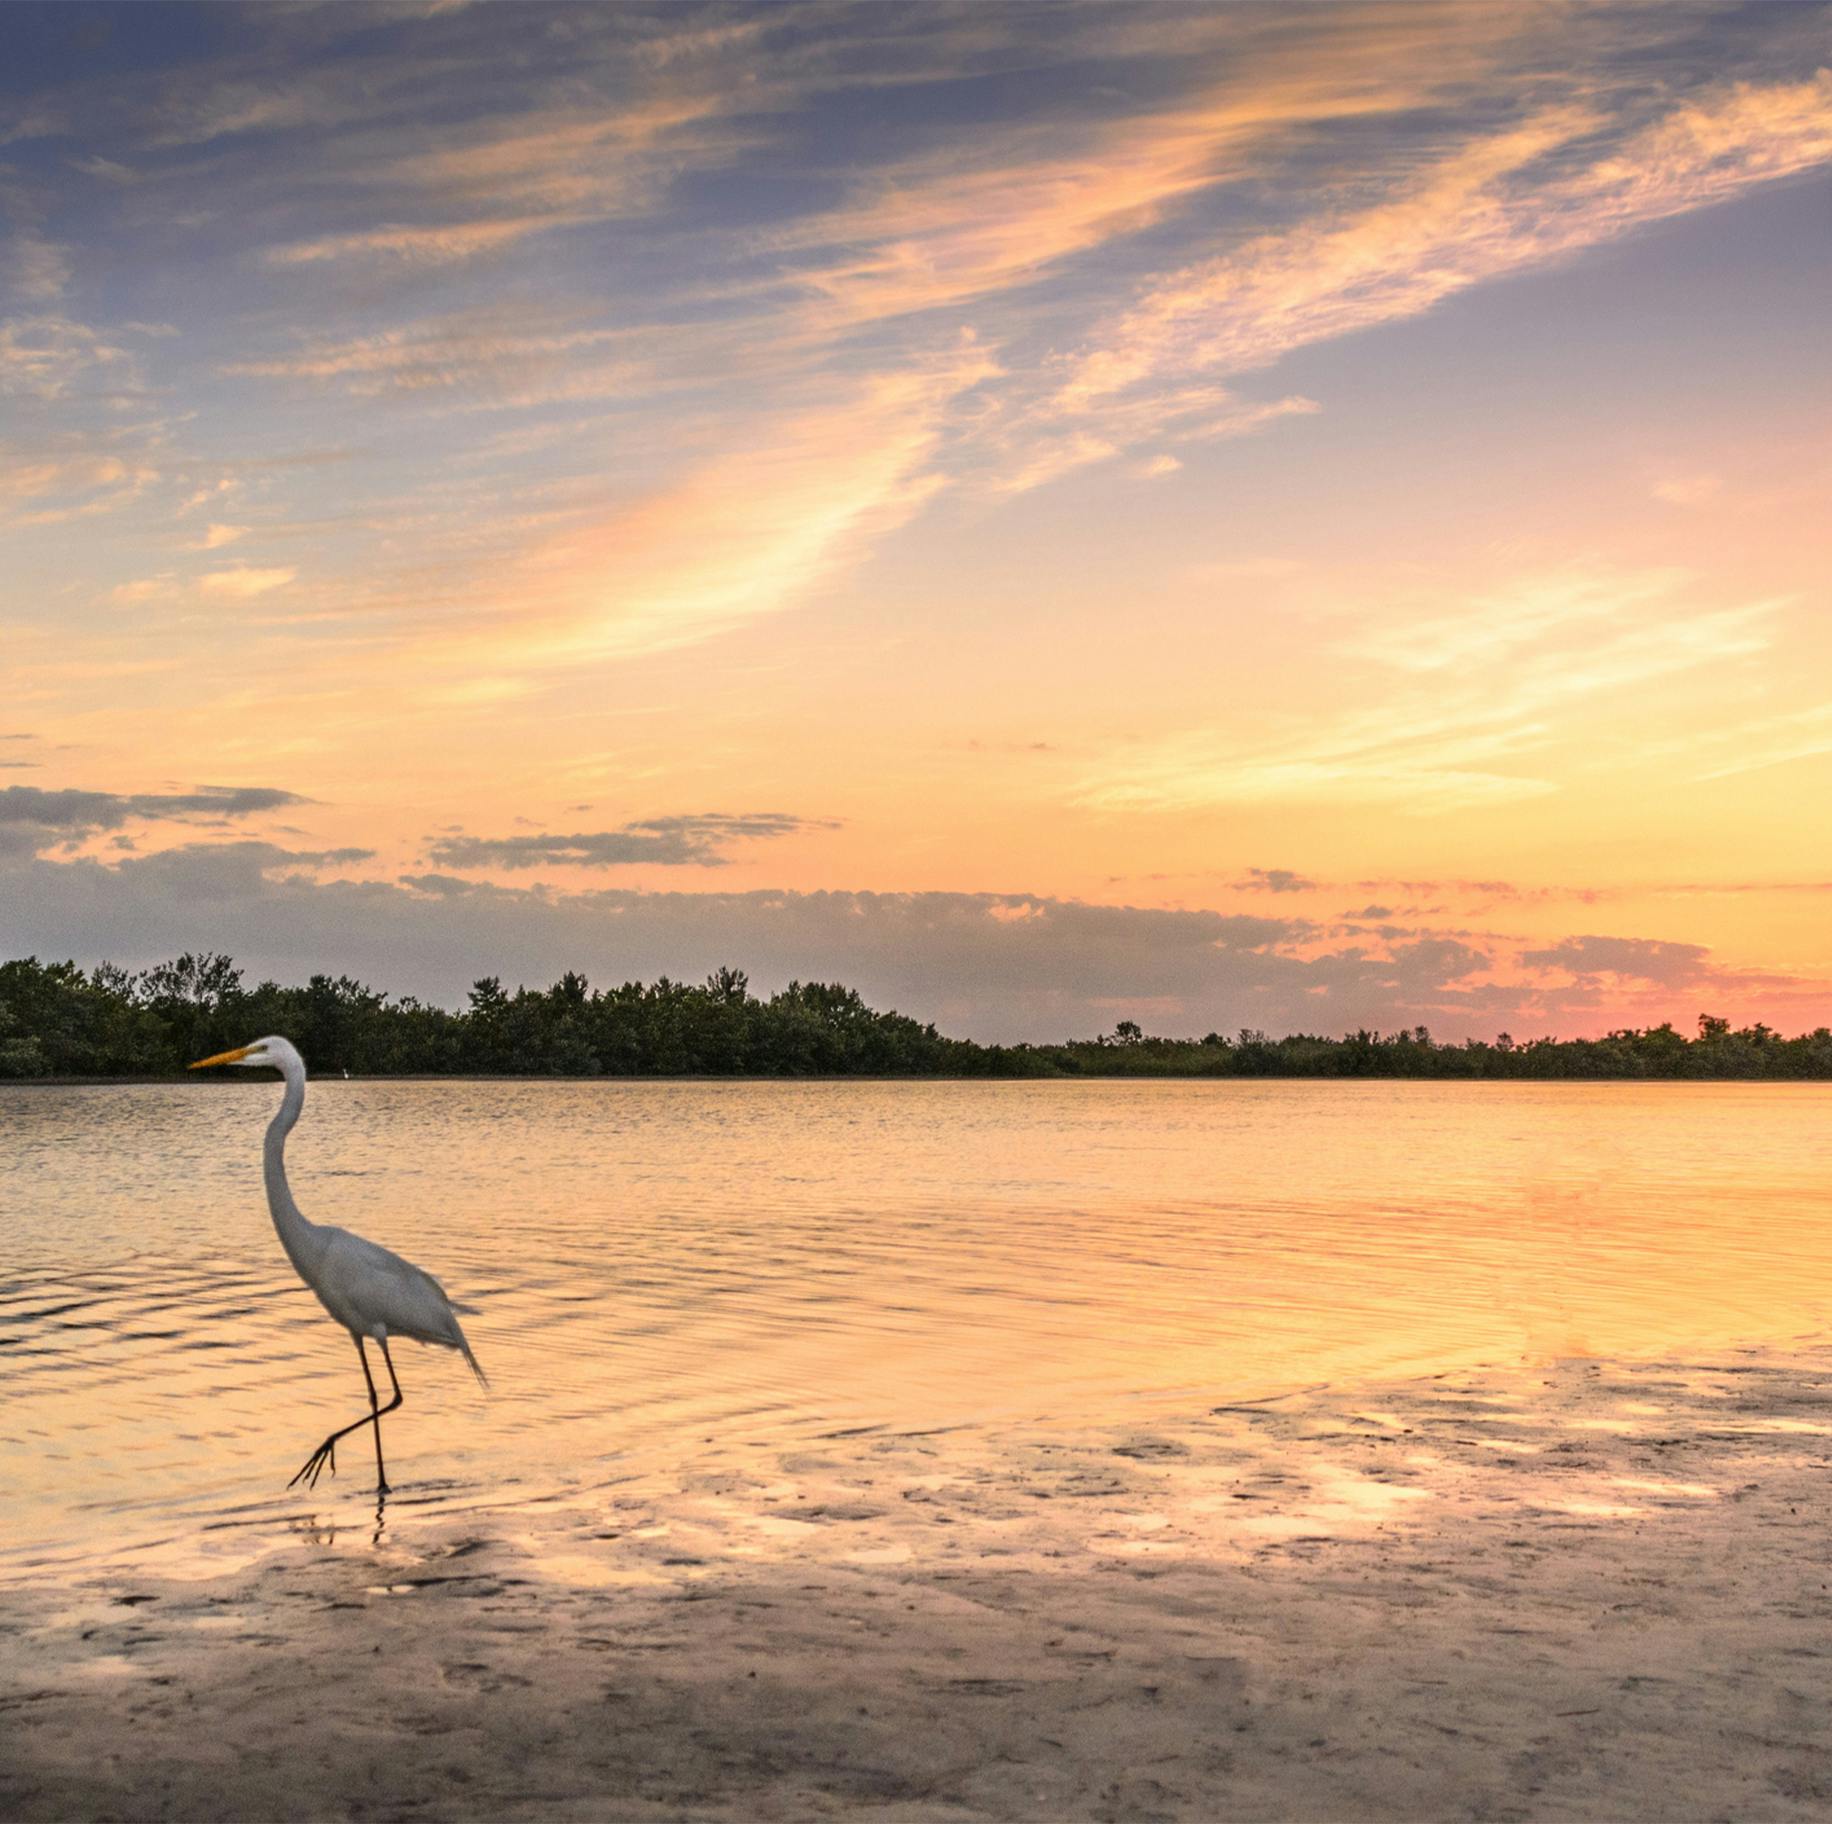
(1285,517)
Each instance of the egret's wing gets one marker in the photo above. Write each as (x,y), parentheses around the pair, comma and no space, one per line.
(372,1285)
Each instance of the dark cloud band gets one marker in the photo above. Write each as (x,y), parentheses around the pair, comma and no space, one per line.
(32,818)
(989,966)
(693,841)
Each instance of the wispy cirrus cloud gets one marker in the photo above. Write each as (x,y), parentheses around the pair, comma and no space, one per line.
(430,244)
(999,212)
(43,356)
(560,158)
(1499,204)
(1032,448)
(458,191)
(1529,662)
(82,434)
(751,514)
(217,535)
(43,487)
(246,581)
(973,222)
(732,539)
(33,268)
(1755,743)
(484,353)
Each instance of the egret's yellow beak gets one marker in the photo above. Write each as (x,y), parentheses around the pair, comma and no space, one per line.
(222,1057)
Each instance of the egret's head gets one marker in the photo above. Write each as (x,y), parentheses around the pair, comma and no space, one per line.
(275,1053)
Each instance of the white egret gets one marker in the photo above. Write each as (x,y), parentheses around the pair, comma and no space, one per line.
(370,1291)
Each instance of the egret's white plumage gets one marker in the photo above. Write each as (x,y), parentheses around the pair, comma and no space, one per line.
(372,1292)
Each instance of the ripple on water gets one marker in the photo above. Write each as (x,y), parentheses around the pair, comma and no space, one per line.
(665,1266)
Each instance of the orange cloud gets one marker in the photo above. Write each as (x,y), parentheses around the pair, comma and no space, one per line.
(243,583)
(41,356)
(951,228)
(742,535)
(559,163)
(546,171)
(437,354)
(439,244)
(1528,664)
(1476,215)
(216,536)
(1043,454)
(48,490)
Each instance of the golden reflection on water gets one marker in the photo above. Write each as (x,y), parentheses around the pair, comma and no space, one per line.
(669,1268)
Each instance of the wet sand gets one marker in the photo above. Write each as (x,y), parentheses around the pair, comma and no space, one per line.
(1581,1591)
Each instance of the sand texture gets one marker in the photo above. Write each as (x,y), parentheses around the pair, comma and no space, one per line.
(1583,1591)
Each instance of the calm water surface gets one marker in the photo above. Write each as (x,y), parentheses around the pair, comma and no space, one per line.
(665,1269)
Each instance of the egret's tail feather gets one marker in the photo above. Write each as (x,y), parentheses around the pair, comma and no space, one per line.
(483,1380)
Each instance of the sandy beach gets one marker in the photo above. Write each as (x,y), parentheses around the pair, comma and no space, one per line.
(1579,1591)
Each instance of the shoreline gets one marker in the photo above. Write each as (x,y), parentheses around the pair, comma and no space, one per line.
(1080,1076)
(1580,1590)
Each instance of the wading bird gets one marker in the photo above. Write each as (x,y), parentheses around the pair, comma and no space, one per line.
(370,1291)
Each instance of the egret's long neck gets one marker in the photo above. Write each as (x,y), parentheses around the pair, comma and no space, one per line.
(296,1234)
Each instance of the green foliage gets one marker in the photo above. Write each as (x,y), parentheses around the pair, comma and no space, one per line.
(58,1021)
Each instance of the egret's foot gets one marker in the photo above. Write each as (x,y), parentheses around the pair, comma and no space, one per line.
(314,1465)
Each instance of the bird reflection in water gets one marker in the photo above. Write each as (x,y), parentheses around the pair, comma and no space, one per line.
(323,1529)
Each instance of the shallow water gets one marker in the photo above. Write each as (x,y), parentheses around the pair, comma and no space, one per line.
(670,1269)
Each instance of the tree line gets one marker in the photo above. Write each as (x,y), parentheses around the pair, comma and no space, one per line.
(58,1020)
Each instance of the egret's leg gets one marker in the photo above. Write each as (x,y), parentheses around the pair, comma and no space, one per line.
(375,1417)
(381,1478)
(325,1456)
(395,1380)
